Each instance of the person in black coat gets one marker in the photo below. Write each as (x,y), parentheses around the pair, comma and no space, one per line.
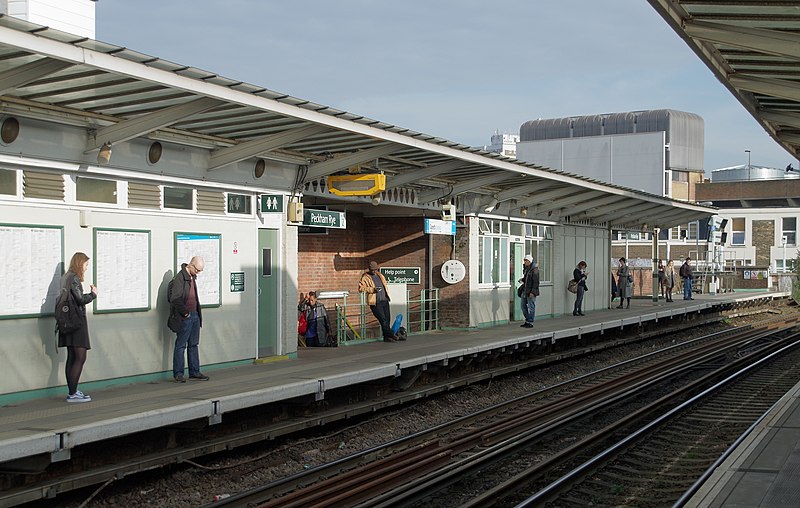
(77,342)
(579,276)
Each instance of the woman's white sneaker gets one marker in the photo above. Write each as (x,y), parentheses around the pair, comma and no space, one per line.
(78,396)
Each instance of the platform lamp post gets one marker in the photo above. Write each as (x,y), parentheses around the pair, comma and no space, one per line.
(748,164)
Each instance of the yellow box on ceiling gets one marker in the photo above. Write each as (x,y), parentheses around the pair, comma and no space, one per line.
(357,185)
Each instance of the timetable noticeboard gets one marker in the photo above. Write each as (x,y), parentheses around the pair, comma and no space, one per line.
(209,247)
(121,270)
(37,254)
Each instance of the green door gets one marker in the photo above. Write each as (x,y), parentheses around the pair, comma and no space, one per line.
(517,255)
(268,292)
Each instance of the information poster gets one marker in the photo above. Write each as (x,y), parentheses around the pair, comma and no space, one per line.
(209,247)
(32,269)
(121,270)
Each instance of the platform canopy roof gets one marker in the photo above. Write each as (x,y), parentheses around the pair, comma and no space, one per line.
(120,94)
(753,48)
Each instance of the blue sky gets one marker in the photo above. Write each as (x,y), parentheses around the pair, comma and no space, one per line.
(458,69)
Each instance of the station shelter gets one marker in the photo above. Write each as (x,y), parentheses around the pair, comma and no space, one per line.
(142,163)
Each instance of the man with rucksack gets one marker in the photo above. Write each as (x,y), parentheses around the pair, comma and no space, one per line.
(187,317)
(686,274)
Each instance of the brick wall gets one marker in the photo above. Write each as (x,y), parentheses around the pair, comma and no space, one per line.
(453,298)
(763,239)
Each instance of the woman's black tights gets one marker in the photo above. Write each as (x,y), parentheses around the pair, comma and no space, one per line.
(76,357)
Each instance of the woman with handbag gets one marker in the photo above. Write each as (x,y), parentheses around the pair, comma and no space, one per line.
(77,342)
(579,276)
(624,282)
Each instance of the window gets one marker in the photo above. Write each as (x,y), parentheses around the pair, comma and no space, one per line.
(492,252)
(789,228)
(786,265)
(737,231)
(178,197)
(8,182)
(96,190)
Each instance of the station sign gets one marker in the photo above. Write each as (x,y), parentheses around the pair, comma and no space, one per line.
(440,227)
(401,275)
(324,219)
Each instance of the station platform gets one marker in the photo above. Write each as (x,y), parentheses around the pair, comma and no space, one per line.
(762,471)
(50,426)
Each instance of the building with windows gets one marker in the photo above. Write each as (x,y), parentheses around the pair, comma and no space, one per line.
(504,144)
(761,207)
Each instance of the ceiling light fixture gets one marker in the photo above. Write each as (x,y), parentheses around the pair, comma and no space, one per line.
(104,155)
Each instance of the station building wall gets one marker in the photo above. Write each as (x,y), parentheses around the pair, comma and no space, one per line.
(136,344)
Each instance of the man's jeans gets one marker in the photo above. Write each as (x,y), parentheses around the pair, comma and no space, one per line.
(529,309)
(188,339)
(687,288)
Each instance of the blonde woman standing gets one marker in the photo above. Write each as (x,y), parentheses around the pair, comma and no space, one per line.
(77,342)
(669,279)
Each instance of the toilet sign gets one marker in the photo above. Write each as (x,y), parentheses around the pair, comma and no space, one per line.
(272,203)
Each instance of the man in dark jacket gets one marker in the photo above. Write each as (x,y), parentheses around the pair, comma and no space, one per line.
(687,275)
(185,303)
(318,332)
(530,282)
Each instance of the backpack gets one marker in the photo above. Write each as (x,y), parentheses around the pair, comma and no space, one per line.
(169,289)
(68,319)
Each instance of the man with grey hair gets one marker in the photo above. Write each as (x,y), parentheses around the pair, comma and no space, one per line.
(185,303)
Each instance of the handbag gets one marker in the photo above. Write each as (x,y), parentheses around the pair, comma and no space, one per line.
(521,290)
(572,286)
(302,324)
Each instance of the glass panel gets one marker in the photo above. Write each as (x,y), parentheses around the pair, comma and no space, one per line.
(178,197)
(517,229)
(96,190)
(495,227)
(737,224)
(737,239)
(483,226)
(8,182)
(503,261)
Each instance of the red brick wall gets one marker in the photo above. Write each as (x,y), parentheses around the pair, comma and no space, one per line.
(336,261)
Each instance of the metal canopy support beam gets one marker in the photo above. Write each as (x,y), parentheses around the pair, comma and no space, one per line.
(563,202)
(548,195)
(330,166)
(779,117)
(135,127)
(772,42)
(253,147)
(422,173)
(460,188)
(790,138)
(507,194)
(596,205)
(627,212)
(782,88)
(16,77)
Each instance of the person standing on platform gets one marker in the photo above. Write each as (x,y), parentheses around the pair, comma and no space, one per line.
(373,283)
(530,284)
(662,279)
(669,277)
(624,280)
(77,342)
(579,276)
(318,331)
(687,275)
(185,301)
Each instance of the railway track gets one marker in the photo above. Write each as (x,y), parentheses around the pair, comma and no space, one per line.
(436,467)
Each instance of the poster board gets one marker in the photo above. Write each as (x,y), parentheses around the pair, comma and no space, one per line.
(122,270)
(209,247)
(33,262)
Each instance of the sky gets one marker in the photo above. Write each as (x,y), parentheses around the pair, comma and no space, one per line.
(456,69)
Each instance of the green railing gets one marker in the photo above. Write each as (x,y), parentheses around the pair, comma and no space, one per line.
(356,325)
